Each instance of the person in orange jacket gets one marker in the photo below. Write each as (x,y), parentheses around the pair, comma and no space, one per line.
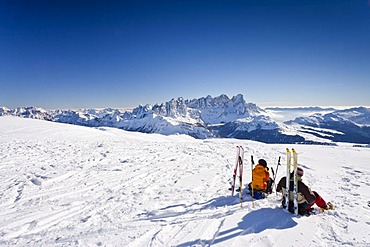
(261,181)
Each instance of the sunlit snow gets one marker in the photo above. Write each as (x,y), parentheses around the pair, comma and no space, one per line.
(67,185)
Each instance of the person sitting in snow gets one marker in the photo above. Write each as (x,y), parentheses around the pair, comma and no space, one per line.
(306,197)
(261,181)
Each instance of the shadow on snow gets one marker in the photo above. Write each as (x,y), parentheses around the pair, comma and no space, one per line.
(253,222)
(189,212)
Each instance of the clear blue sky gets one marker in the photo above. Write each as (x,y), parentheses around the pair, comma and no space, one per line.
(70,53)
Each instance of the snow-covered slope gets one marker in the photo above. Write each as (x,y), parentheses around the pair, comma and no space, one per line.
(350,125)
(359,116)
(66,185)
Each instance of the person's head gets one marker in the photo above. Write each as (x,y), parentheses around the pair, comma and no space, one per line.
(262,162)
(300,171)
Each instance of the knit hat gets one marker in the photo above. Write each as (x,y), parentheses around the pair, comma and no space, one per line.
(300,171)
(262,162)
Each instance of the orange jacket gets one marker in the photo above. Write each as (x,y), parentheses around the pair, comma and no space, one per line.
(260,177)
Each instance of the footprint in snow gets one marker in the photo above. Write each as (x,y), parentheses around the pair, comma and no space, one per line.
(20,192)
(32,225)
(35,181)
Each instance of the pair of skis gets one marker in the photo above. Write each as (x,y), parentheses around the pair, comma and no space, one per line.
(238,167)
(291,166)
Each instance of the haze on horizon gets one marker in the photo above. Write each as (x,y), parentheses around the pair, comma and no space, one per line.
(85,54)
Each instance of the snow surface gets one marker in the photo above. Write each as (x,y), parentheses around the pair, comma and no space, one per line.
(66,185)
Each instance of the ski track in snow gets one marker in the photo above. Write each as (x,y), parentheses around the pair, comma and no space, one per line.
(64,185)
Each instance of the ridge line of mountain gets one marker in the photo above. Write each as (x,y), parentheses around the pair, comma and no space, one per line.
(220,116)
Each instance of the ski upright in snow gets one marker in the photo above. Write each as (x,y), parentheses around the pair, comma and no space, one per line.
(295,183)
(287,184)
(238,167)
(291,169)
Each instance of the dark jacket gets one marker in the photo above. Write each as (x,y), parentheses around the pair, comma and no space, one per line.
(305,195)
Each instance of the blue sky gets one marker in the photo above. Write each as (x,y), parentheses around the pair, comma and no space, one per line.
(71,54)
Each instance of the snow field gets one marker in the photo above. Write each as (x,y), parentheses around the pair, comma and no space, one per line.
(65,185)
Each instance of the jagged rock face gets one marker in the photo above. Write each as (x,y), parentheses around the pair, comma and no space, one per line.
(173,108)
(139,112)
(222,109)
(4,111)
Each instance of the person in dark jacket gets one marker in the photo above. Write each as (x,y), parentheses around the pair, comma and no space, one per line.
(306,197)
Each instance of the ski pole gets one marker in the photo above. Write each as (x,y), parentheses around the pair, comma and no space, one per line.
(235,170)
(252,163)
(241,164)
(275,174)
(241,181)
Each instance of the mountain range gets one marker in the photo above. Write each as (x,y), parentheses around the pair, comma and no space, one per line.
(221,116)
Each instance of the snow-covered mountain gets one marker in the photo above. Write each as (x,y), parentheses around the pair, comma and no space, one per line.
(259,128)
(173,117)
(201,118)
(221,109)
(221,116)
(27,112)
(178,116)
(283,114)
(358,115)
(350,125)
(301,109)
